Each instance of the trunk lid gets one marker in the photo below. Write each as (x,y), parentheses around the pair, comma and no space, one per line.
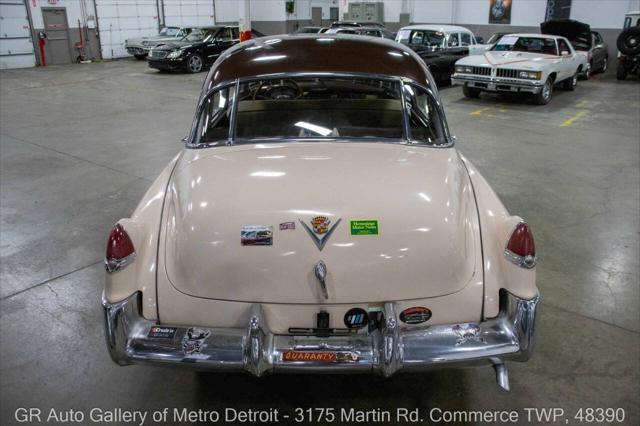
(578,33)
(523,60)
(427,242)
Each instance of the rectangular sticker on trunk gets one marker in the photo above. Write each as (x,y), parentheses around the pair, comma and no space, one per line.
(364,227)
(256,235)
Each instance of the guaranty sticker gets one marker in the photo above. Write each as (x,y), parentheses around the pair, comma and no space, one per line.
(364,227)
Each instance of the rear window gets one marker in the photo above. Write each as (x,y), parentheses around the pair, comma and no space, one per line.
(321,108)
(325,107)
(420,37)
(169,32)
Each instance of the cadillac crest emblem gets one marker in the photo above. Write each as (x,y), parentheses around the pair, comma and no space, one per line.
(320,229)
(320,224)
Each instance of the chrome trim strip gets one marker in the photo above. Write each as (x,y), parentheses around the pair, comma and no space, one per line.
(527,262)
(385,350)
(497,80)
(406,125)
(113,265)
(529,86)
(234,112)
(320,242)
(196,119)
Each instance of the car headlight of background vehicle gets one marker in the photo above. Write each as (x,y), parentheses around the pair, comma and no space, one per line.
(464,69)
(174,54)
(530,75)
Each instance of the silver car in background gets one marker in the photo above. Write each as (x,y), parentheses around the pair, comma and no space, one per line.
(139,47)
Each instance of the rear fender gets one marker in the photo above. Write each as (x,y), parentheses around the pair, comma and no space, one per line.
(143,228)
(496,226)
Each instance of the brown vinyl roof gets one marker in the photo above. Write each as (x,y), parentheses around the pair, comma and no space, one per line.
(319,53)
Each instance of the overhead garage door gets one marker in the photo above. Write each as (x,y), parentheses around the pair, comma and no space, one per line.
(188,12)
(16,47)
(119,20)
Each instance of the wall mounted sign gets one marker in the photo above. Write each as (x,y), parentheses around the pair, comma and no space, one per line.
(500,11)
(557,9)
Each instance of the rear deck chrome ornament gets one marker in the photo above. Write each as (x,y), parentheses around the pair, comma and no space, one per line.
(321,226)
(468,333)
(321,274)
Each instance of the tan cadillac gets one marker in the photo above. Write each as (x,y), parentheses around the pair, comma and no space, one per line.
(320,219)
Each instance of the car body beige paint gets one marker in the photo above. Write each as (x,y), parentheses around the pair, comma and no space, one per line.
(428,242)
(496,225)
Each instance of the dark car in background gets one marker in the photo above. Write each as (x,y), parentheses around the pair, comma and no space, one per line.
(439,46)
(140,46)
(363,31)
(356,24)
(583,39)
(196,51)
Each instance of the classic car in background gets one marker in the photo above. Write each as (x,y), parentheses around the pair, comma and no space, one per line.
(196,51)
(522,63)
(355,24)
(440,46)
(311,30)
(362,30)
(583,39)
(482,46)
(280,239)
(139,47)
(628,44)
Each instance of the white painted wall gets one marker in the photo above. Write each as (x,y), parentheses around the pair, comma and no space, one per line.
(261,10)
(119,20)
(188,12)
(597,13)
(603,14)
(303,8)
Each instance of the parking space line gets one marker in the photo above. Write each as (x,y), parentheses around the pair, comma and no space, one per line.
(480,111)
(569,121)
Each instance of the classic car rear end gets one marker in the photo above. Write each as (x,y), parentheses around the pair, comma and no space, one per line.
(583,40)
(320,220)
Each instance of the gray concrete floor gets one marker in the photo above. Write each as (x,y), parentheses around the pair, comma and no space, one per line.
(80,144)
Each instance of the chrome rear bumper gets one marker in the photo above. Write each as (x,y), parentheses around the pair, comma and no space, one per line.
(385,350)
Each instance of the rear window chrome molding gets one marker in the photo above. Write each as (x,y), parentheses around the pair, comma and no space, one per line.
(191,140)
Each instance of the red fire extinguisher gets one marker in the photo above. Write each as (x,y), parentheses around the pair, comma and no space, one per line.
(42,36)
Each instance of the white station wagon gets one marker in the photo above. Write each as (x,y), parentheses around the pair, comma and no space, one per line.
(320,219)
(530,63)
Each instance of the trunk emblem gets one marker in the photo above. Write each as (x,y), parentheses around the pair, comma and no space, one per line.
(321,226)
(321,274)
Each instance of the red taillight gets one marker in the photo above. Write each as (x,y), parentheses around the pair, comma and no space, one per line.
(120,250)
(521,248)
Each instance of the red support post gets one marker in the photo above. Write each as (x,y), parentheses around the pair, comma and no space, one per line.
(42,58)
(244,20)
